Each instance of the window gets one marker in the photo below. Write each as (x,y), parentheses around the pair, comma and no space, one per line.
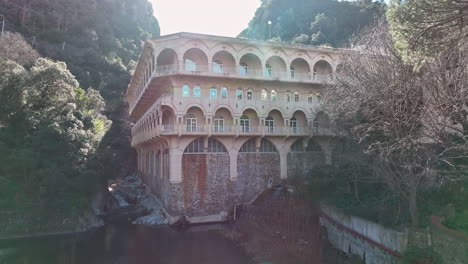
(269,124)
(217,66)
(249,146)
(273,95)
(239,94)
(245,124)
(298,146)
(293,72)
(296,97)
(196,91)
(268,70)
(267,147)
(249,94)
(218,123)
(264,95)
(288,97)
(293,125)
(319,99)
(213,93)
(224,92)
(195,146)
(214,146)
(191,123)
(310,99)
(186,91)
(190,65)
(243,69)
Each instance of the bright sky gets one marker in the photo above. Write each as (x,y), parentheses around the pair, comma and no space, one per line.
(215,17)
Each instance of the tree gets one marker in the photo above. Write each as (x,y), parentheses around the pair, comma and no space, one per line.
(386,105)
(15,48)
(423,28)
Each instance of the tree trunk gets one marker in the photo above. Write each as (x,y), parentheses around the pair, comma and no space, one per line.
(413,206)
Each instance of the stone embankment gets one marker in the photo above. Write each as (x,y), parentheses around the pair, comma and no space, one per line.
(131,201)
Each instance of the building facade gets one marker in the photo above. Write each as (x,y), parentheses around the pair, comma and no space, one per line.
(217,120)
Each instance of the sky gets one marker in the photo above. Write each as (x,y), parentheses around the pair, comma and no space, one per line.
(215,17)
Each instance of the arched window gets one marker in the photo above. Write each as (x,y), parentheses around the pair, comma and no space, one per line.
(293,72)
(264,95)
(218,123)
(214,146)
(190,65)
(268,70)
(288,96)
(313,146)
(213,93)
(217,66)
(298,146)
(245,124)
(191,123)
(185,91)
(269,124)
(267,147)
(296,97)
(293,124)
(243,69)
(223,92)
(239,94)
(196,91)
(273,95)
(249,146)
(195,146)
(249,94)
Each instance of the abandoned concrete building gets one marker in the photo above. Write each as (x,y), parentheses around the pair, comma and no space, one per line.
(218,120)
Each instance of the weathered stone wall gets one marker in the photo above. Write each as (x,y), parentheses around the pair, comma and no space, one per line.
(206,188)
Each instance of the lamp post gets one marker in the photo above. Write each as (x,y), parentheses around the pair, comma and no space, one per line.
(269,28)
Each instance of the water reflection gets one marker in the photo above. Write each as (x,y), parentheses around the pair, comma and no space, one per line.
(127,245)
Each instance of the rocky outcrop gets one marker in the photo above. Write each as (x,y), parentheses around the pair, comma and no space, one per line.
(132,202)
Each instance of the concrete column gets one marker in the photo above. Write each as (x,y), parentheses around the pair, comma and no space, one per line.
(283,163)
(233,165)
(175,167)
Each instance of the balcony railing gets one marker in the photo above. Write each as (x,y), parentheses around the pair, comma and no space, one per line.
(169,129)
(240,72)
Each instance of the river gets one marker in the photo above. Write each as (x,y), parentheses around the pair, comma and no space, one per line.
(127,244)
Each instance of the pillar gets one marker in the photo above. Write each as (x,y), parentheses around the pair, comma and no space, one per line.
(233,164)
(283,163)
(175,167)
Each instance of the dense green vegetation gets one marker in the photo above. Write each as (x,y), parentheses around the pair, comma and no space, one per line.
(316,22)
(63,127)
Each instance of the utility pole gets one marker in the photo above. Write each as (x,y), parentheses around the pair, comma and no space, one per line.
(269,27)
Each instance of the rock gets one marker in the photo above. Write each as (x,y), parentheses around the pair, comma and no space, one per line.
(182,223)
(125,214)
(155,218)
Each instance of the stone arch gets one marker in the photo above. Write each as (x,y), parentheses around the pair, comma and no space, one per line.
(321,120)
(278,65)
(226,113)
(195,146)
(166,57)
(198,57)
(228,62)
(277,116)
(253,62)
(267,146)
(216,146)
(323,70)
(301,118)
(197,106)
(300,69)
(194,119)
